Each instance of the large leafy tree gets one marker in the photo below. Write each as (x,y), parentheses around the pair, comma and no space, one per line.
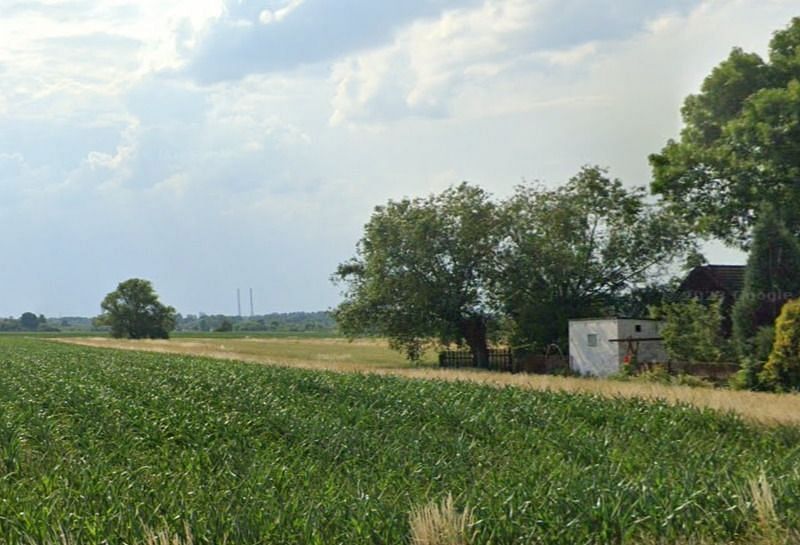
(578,251)
(422,272)
(134,311)
(740,144)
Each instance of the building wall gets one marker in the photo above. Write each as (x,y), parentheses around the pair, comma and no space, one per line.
(650,351)
(601,360)
(606,358)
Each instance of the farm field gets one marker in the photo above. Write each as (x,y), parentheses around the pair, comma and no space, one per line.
(324,352)
(97,445)
(374,357)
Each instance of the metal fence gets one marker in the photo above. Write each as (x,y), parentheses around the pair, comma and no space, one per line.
(505,360)
(499,359)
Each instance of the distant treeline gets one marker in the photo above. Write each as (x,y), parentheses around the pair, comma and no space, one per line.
(28,321)
(291,321)
(278,322)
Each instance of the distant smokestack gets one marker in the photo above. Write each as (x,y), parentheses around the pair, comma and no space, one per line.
(239,302)
(252,309)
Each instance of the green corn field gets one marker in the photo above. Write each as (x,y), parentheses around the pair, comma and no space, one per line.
(98,446)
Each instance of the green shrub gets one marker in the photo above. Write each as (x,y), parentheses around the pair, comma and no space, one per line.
(692,381)
(763,342)
(751,366)
(658,374)
(692,331)
(782,370)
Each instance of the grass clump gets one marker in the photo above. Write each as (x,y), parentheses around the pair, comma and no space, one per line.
(441,524)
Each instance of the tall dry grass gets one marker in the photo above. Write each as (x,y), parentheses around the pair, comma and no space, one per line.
(441,524)
(763,503)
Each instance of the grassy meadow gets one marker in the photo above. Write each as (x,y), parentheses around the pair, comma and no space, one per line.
(104,446)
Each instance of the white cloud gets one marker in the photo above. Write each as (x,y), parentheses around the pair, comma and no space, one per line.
(571,56)
(418,72)
(76,50)
(276,16)
(101,140)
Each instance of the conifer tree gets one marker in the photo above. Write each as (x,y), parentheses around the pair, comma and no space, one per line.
(772,278)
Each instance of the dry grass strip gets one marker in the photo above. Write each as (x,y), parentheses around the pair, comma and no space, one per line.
(764,408)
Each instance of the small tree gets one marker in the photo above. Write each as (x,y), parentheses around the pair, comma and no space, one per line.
(692,331)
(134,311)
(782,370)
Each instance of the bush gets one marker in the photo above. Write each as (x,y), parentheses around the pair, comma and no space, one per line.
(782,370)
(692,331)
(763,342)
(659,374)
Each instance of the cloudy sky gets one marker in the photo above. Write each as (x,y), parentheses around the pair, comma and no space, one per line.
(216,144)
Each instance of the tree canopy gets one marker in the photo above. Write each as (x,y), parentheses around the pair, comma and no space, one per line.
(423,271)
(459,266)
(583,249)
(29,321)
(134,311)
(740,144)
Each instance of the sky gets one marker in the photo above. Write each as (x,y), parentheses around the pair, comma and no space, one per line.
(210,145)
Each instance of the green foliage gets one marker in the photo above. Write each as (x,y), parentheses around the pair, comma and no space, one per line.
(100,443)
(253,326)
(772,277)
(763,342)
(282,322)
(740,144)
(782,370)
(134,311)
(658,374)
(639,300)
(225,327)
(423,270)
(449,266)
(751,366)
(692,331)
(29,321)
(591,247)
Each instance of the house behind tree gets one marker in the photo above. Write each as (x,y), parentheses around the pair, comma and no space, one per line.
(716,281)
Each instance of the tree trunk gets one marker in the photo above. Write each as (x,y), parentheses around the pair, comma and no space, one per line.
(474,331)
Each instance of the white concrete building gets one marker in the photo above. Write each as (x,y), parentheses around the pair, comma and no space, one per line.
(598,346)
